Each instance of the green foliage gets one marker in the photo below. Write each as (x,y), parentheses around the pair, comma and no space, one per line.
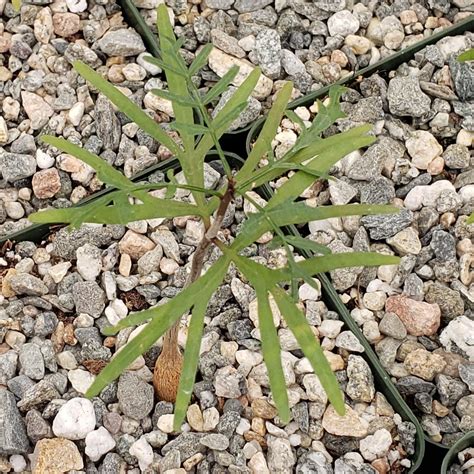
(467,55)
(311,157)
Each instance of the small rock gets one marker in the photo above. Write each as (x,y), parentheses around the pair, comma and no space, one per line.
(423,148)
(56,455)
(143,452)
(121,42)
(457,335)
(15,166)
(37,109)
(135,396)
(360,386)
(135,245)
(13,439)
(221,62)
(80,380)
(66,24)
(343,23)
(75,419)
(46,183)
(466,372)
(348,425)
(98,443)
(424,364)
(376,446)
(214,441)
(267,52)
(406,242)
(348,341)
(243,6)
(89,298)
(405,97)
(391,325)
(89,262)
(450,389)
(229,383)
(280,455)
(456,156)
(31,361)
(26,284)
(76,6)
(419,318)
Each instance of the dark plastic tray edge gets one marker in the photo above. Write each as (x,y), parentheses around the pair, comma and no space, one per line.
(465,442)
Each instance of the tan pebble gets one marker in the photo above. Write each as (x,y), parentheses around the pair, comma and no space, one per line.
(66,24)
(135,245)
(439,409)
(125,265)
(436,167)
(261,408)
(7,290)
(46,183)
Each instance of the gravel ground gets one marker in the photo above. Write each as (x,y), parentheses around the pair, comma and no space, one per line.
(58,295)
(40,93)
(418,315)
(312,44)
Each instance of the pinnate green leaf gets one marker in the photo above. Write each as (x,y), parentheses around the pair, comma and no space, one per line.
(263,142)
(467,55)
(268,335)
(126,106)
(310,346)
(221,85)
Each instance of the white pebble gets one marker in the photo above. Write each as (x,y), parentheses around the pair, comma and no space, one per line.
(18,463)
(75,113)
(98,443)
(143,452)
(165,423)
(14,209)
(43,160)
(80,380)
(76,6)
(75,419)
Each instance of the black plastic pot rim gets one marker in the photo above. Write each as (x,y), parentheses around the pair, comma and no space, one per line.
(466,441)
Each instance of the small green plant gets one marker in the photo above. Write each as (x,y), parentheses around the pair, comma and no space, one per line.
(311,158)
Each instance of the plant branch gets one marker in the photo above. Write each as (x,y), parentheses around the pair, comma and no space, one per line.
(170,342)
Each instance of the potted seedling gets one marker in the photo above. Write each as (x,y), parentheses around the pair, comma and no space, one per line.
(311,158)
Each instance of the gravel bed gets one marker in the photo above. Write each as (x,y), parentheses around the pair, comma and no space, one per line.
(40,94)
(59,294)
(311,43)
(419,314)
